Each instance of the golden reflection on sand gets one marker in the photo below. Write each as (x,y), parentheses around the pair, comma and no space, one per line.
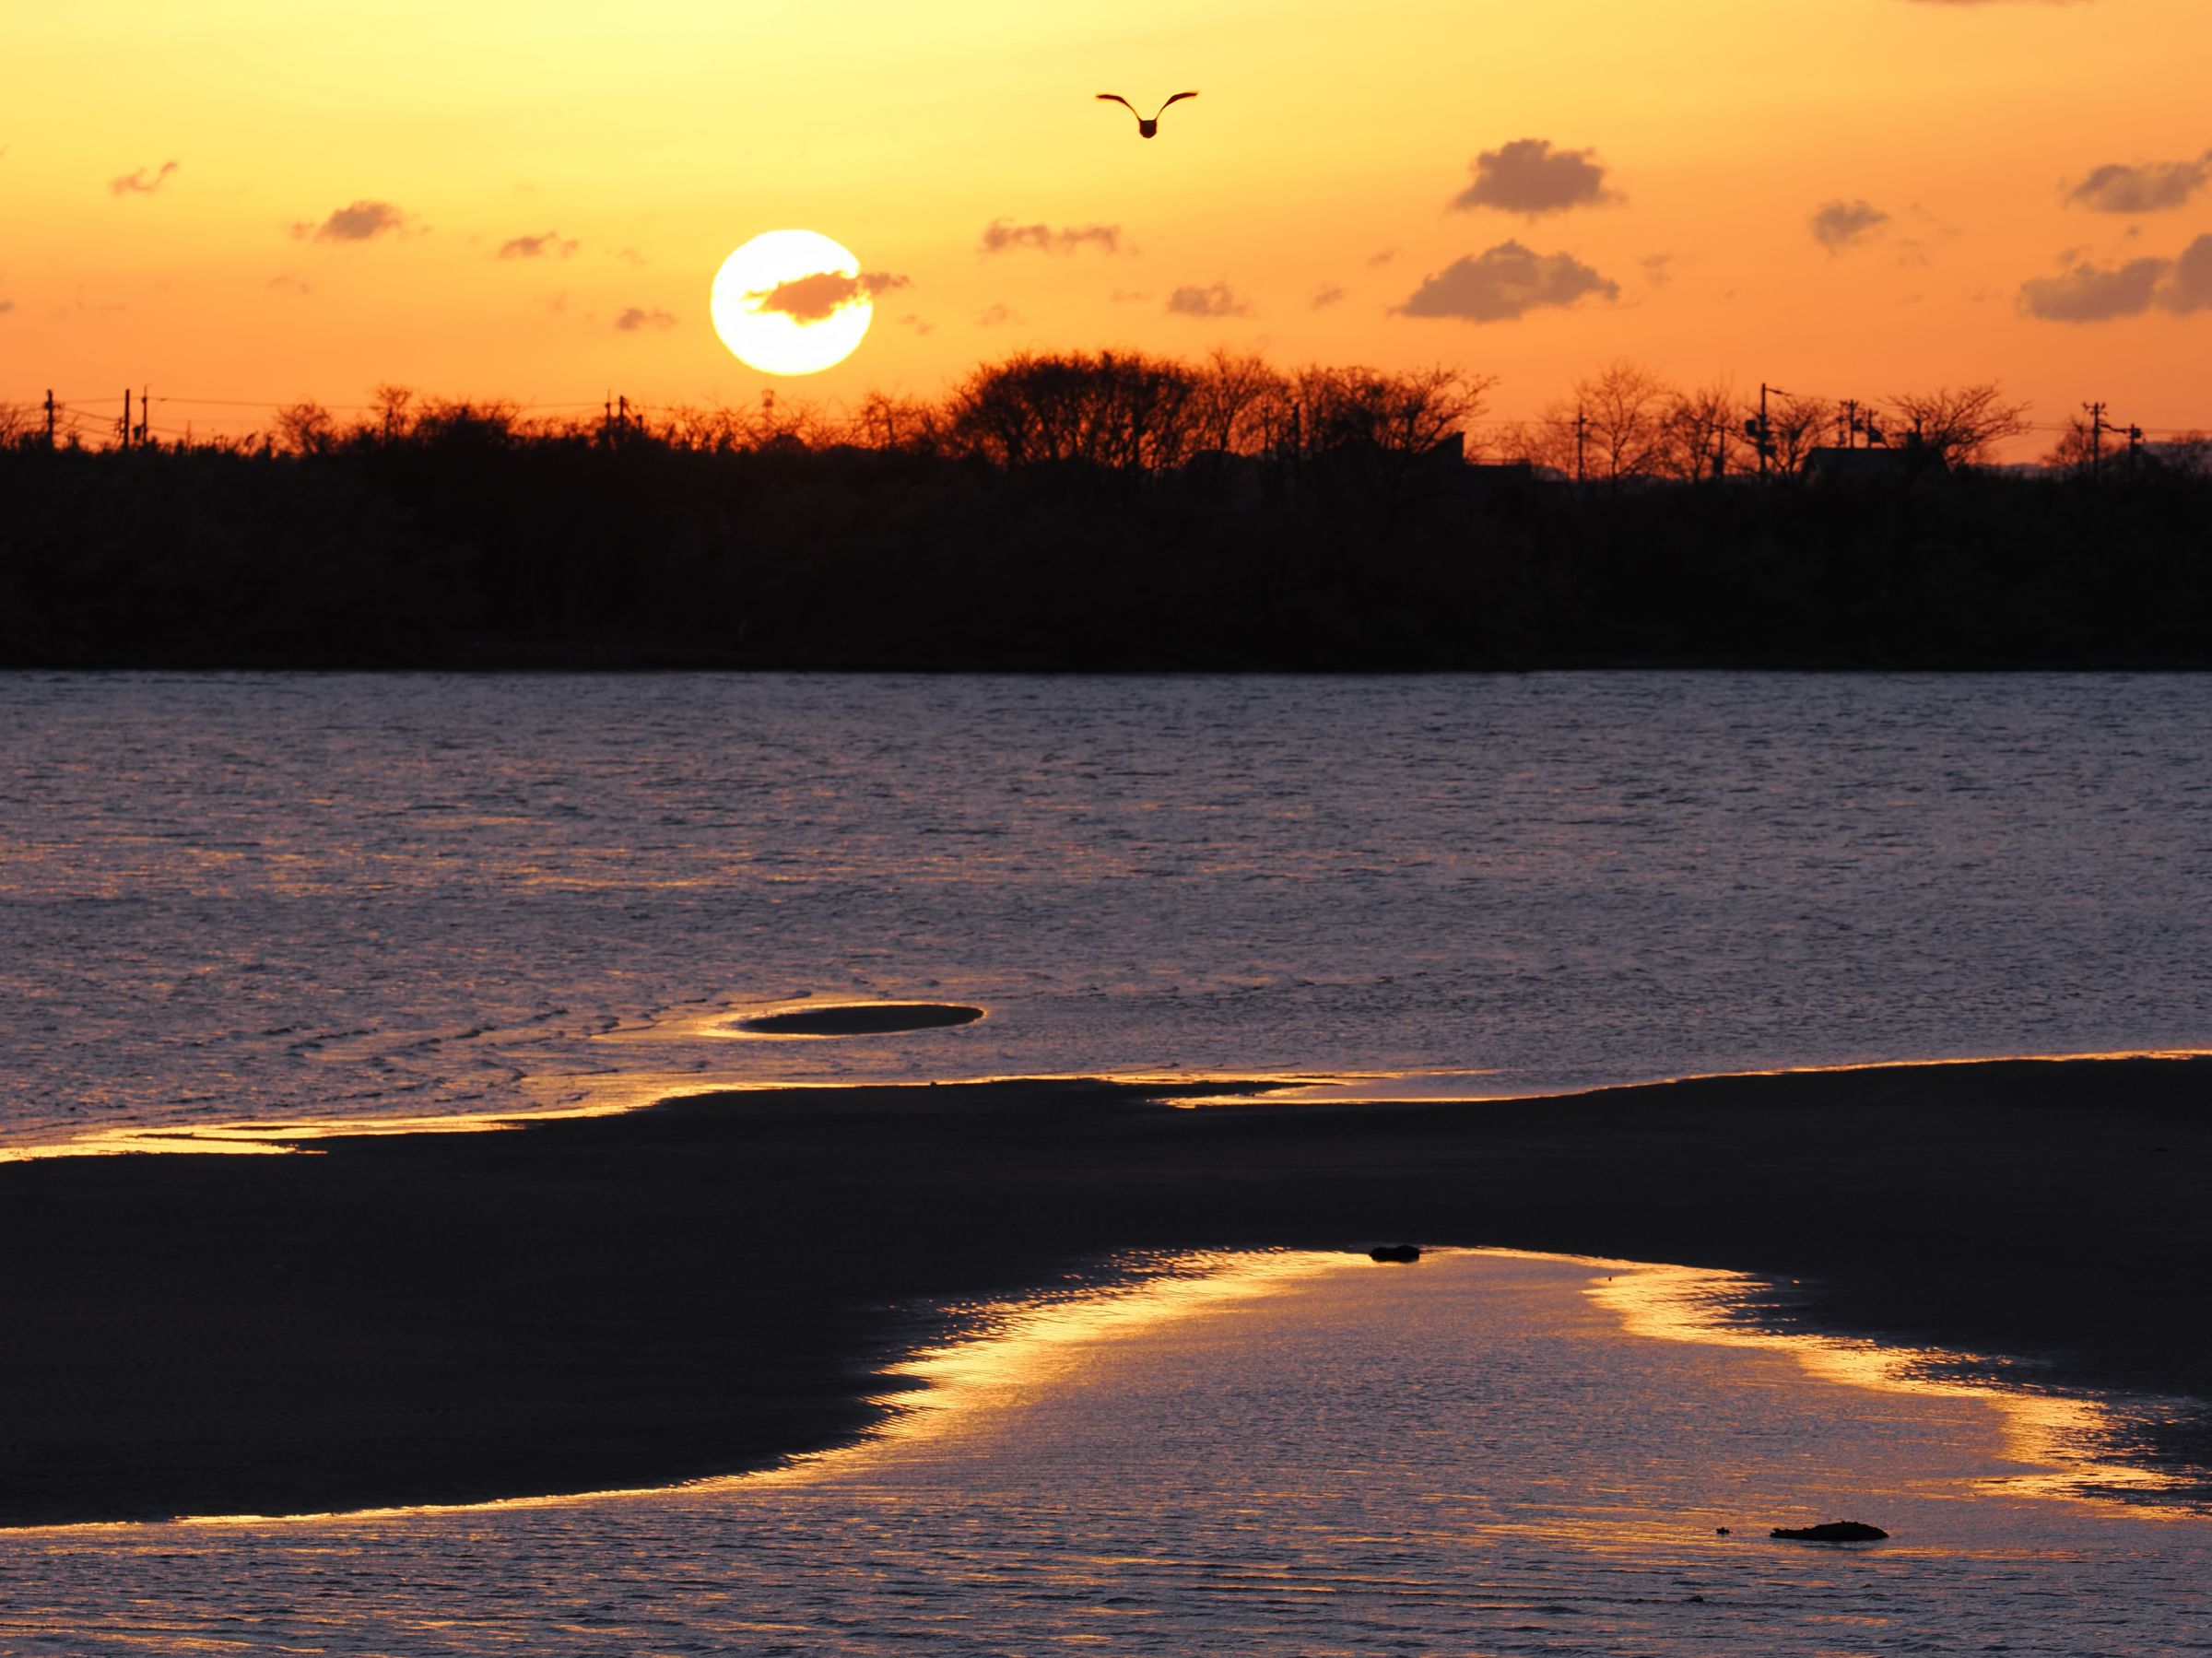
(612,1094)
(2055,1437)
(1027,1346)
(1381,1087)
(295,1135)
(1019,1348)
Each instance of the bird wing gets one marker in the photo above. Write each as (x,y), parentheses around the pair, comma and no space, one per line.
(1117,98)
(1177,98)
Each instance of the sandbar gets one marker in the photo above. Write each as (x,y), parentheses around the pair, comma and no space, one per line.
(715,1282)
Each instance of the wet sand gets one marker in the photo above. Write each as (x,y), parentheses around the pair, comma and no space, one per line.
(708,1284)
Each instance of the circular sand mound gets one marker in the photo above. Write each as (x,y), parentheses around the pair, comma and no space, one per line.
(861,1019)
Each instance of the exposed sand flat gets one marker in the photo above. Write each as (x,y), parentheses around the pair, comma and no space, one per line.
(699,1288)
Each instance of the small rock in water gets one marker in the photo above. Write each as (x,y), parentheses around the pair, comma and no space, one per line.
(1394,1251)
(1835,1531)
(1720,1531)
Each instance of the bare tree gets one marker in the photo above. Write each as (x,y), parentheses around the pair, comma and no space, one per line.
(2188,453)
(1547,443)
(1796,427)
(1701,431)
(1623,410)
(1963,424)
(711,428)
(1120,410)
(1240,404)
(2071,452)
(305,428)
(462,422)
(894,424)
(1409,413)
(390,419)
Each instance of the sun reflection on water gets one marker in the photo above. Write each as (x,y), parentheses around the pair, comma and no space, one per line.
(2055,1437)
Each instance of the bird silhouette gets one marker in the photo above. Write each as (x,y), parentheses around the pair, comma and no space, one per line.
(1148,126)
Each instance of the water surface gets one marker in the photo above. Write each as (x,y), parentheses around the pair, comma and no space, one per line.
(1290,1454)
(304,896)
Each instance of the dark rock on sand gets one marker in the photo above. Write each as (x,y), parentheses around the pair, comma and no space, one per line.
(1835,1531)
(1394,1251)
(862,1018)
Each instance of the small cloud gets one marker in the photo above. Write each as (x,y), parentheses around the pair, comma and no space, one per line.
(816,298)
(1918,252)
(1328,296)
(548,246)
(916,323)
(556,303)
(632,256)
(2146,187)
(2091,294)
(1658,269)
(139,182)
(997,316)
(637,318)
(1529,177)
(362,221)
(1841,224)
(1507,282)
(1216,300)
(1003,236)
(288,285)
(1375,261)
(2188,287)
(5,305)
(1131,295)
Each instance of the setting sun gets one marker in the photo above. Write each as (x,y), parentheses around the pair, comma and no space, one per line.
(792,303)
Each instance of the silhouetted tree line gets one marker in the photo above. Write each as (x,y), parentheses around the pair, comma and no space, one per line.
(1104,511)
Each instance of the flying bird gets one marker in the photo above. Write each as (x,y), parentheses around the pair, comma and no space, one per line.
(1148,126)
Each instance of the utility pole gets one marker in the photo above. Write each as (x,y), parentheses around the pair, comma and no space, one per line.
(1849,422)
(49,419)
(1582,434)
(1761,433)
(145,413)
(2097,429)
(2135,445)
(126,416)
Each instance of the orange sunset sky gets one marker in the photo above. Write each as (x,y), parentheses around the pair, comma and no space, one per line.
(256,201)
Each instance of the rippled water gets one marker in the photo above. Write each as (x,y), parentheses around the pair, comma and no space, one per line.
(1293,1454)
(304,896)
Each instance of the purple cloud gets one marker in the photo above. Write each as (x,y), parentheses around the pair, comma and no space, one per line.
(139,184)
(1840,224)
(2088,294)
(360,221)
(814,299)
(1003,236)
(2144,187)
(1507,282)
(548,246)
(1218,300)
(1529,177)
